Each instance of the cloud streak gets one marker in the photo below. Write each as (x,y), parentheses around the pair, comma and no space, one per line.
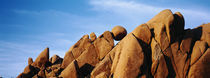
(138,10)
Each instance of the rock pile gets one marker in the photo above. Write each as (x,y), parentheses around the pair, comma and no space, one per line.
(160,48)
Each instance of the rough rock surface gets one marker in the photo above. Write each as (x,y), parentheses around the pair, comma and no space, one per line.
(159,48)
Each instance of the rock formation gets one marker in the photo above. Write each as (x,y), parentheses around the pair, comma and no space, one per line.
(159,48)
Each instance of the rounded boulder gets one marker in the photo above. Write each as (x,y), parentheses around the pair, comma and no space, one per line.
(119,32)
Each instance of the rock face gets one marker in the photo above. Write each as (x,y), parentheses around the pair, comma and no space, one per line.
(159,48)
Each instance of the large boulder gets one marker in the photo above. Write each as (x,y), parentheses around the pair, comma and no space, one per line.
(76,50)
(87,60)
(198,50)
(102,67)
(201,68)
(159,68)
(42,59)
(104,44)
(68,58)
(143,33)
(103,47)
(206,33)
(131,58)
(56,59)
(119,32)
(178,24)
(71,71)
(161,36)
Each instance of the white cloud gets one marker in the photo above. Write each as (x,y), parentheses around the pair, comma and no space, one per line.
(137,11)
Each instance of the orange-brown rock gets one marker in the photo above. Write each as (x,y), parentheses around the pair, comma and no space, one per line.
(103,67)
(87,60)
(71,71)
(80,46)
(93,36)
(201,69)
(41,74)
(28,72)
(198,50)
(102,75)
(131,58)
(102,46)
(160,18)
(159,68)
(160,48)
(119,32)
(68,58)
(56,59)
(42,59)
(206,33)
(108,36)
(178,24)
(143,33)
(30,60)
(186,42)
(161,36)
(76,50)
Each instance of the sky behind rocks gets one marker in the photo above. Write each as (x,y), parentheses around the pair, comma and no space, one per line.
(29,26)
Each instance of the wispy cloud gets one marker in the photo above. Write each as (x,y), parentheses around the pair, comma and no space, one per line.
(137,11)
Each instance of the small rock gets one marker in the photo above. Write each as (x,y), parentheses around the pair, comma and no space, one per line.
(93,36)
(30,60)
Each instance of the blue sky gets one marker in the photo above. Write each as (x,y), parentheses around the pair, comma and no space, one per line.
(29,26)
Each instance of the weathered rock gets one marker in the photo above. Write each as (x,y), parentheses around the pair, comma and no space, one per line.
(68,58)
(103,47)
(56,59)
(103,67)
(143,33)
(201,69)
(42,59)
(159,68)
(87,60)
(30,60)
(80,46)
(41,74)
(71,71)
(131,58)
(206,33)
(76,50)
(198,50)
(165,19)
(160,48)
(119,32)
(108,36)
(161,36)
(156,50)
(28,72)
(178,24)
(93,36)
(102,75)
(160,18)
(51,74)
(186,42)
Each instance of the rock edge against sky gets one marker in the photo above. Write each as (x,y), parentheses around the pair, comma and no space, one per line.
(159,48)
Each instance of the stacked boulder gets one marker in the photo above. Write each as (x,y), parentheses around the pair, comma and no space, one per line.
(159,48)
